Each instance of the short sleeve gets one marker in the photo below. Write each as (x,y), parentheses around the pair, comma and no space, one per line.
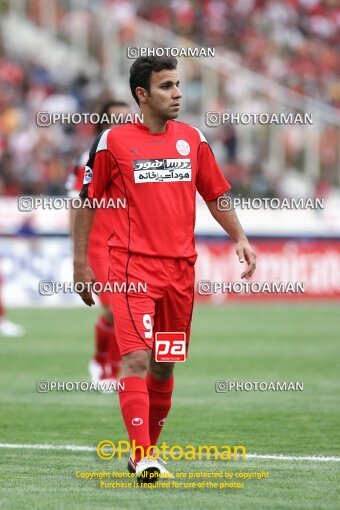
(98,169)
(210,181)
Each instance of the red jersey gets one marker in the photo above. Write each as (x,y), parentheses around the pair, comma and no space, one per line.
(101,228)
(157,175)
(75,178)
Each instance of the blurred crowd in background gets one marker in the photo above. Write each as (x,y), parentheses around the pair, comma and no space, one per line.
(36,160)
(293,42)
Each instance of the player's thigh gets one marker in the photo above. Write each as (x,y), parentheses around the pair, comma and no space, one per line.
(135,290)
(174,311)
(143,282)
(134,319)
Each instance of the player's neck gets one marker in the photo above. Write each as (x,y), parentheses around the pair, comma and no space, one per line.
(156,125)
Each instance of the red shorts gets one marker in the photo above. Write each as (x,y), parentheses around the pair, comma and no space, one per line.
(99,263)
(163,300)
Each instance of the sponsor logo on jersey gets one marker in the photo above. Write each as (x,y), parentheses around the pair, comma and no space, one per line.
(87,175)
(162,170)
(183,147)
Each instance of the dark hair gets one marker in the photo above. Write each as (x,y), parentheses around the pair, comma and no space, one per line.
(142,68)
(105,109)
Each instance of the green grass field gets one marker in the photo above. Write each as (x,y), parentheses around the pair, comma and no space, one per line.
(245,343)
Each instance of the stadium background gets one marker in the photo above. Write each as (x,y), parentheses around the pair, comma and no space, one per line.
(271,56)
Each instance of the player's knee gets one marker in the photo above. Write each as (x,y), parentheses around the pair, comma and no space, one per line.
(161,371)
(135,363)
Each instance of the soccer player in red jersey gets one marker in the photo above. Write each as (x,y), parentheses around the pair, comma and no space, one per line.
(157,166)
(106,361)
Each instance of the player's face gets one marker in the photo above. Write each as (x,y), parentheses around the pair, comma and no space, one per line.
(164,96)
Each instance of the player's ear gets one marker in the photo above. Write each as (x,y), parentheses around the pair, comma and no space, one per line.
(141,94)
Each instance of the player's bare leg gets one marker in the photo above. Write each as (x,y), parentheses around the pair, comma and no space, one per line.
(161,371)
(135,363)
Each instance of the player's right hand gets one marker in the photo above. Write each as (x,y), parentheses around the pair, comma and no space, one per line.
(84,277)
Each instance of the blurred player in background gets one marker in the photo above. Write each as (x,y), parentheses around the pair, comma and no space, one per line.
(7,327)
(106,360)
(157,165)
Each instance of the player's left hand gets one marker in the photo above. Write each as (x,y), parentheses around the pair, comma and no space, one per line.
(84,277)
(246,253)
